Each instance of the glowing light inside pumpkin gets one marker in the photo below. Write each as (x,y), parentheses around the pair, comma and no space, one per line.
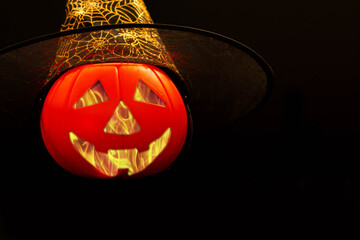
(131,159)
(96,94)
(144,94)
(122,121)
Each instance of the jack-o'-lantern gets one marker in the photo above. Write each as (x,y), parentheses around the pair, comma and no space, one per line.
(106,120)
(105,109)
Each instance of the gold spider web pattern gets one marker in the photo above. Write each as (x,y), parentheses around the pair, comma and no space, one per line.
(140,45)
(85,13)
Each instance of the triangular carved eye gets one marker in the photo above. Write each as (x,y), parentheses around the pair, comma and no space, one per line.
(95,95)
(144,94)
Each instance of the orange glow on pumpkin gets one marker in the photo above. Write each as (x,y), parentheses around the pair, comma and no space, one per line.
(114,119)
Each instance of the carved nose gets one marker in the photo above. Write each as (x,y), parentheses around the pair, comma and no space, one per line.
(122,121)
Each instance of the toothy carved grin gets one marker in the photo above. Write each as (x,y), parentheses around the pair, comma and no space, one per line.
(109,163)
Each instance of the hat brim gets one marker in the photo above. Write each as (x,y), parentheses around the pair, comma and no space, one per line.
(225,79)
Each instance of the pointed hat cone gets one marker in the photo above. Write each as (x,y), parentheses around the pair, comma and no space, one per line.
(90,13)
(222,79)
(139,45)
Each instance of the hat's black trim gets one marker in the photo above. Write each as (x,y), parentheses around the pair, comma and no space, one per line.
(267,69)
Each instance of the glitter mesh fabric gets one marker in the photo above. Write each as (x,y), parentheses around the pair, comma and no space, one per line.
(141,45)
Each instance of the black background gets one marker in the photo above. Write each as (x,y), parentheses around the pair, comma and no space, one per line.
(296,158)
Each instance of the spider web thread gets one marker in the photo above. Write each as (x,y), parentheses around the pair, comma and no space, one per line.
(140,45)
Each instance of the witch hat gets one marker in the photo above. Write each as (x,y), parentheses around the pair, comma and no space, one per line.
(219,79)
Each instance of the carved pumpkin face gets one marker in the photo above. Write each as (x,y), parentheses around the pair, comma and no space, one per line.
(106,120)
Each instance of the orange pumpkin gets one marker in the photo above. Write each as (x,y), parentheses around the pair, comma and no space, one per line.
(114,119)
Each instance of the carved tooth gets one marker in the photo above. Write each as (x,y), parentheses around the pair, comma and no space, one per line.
(115,159)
